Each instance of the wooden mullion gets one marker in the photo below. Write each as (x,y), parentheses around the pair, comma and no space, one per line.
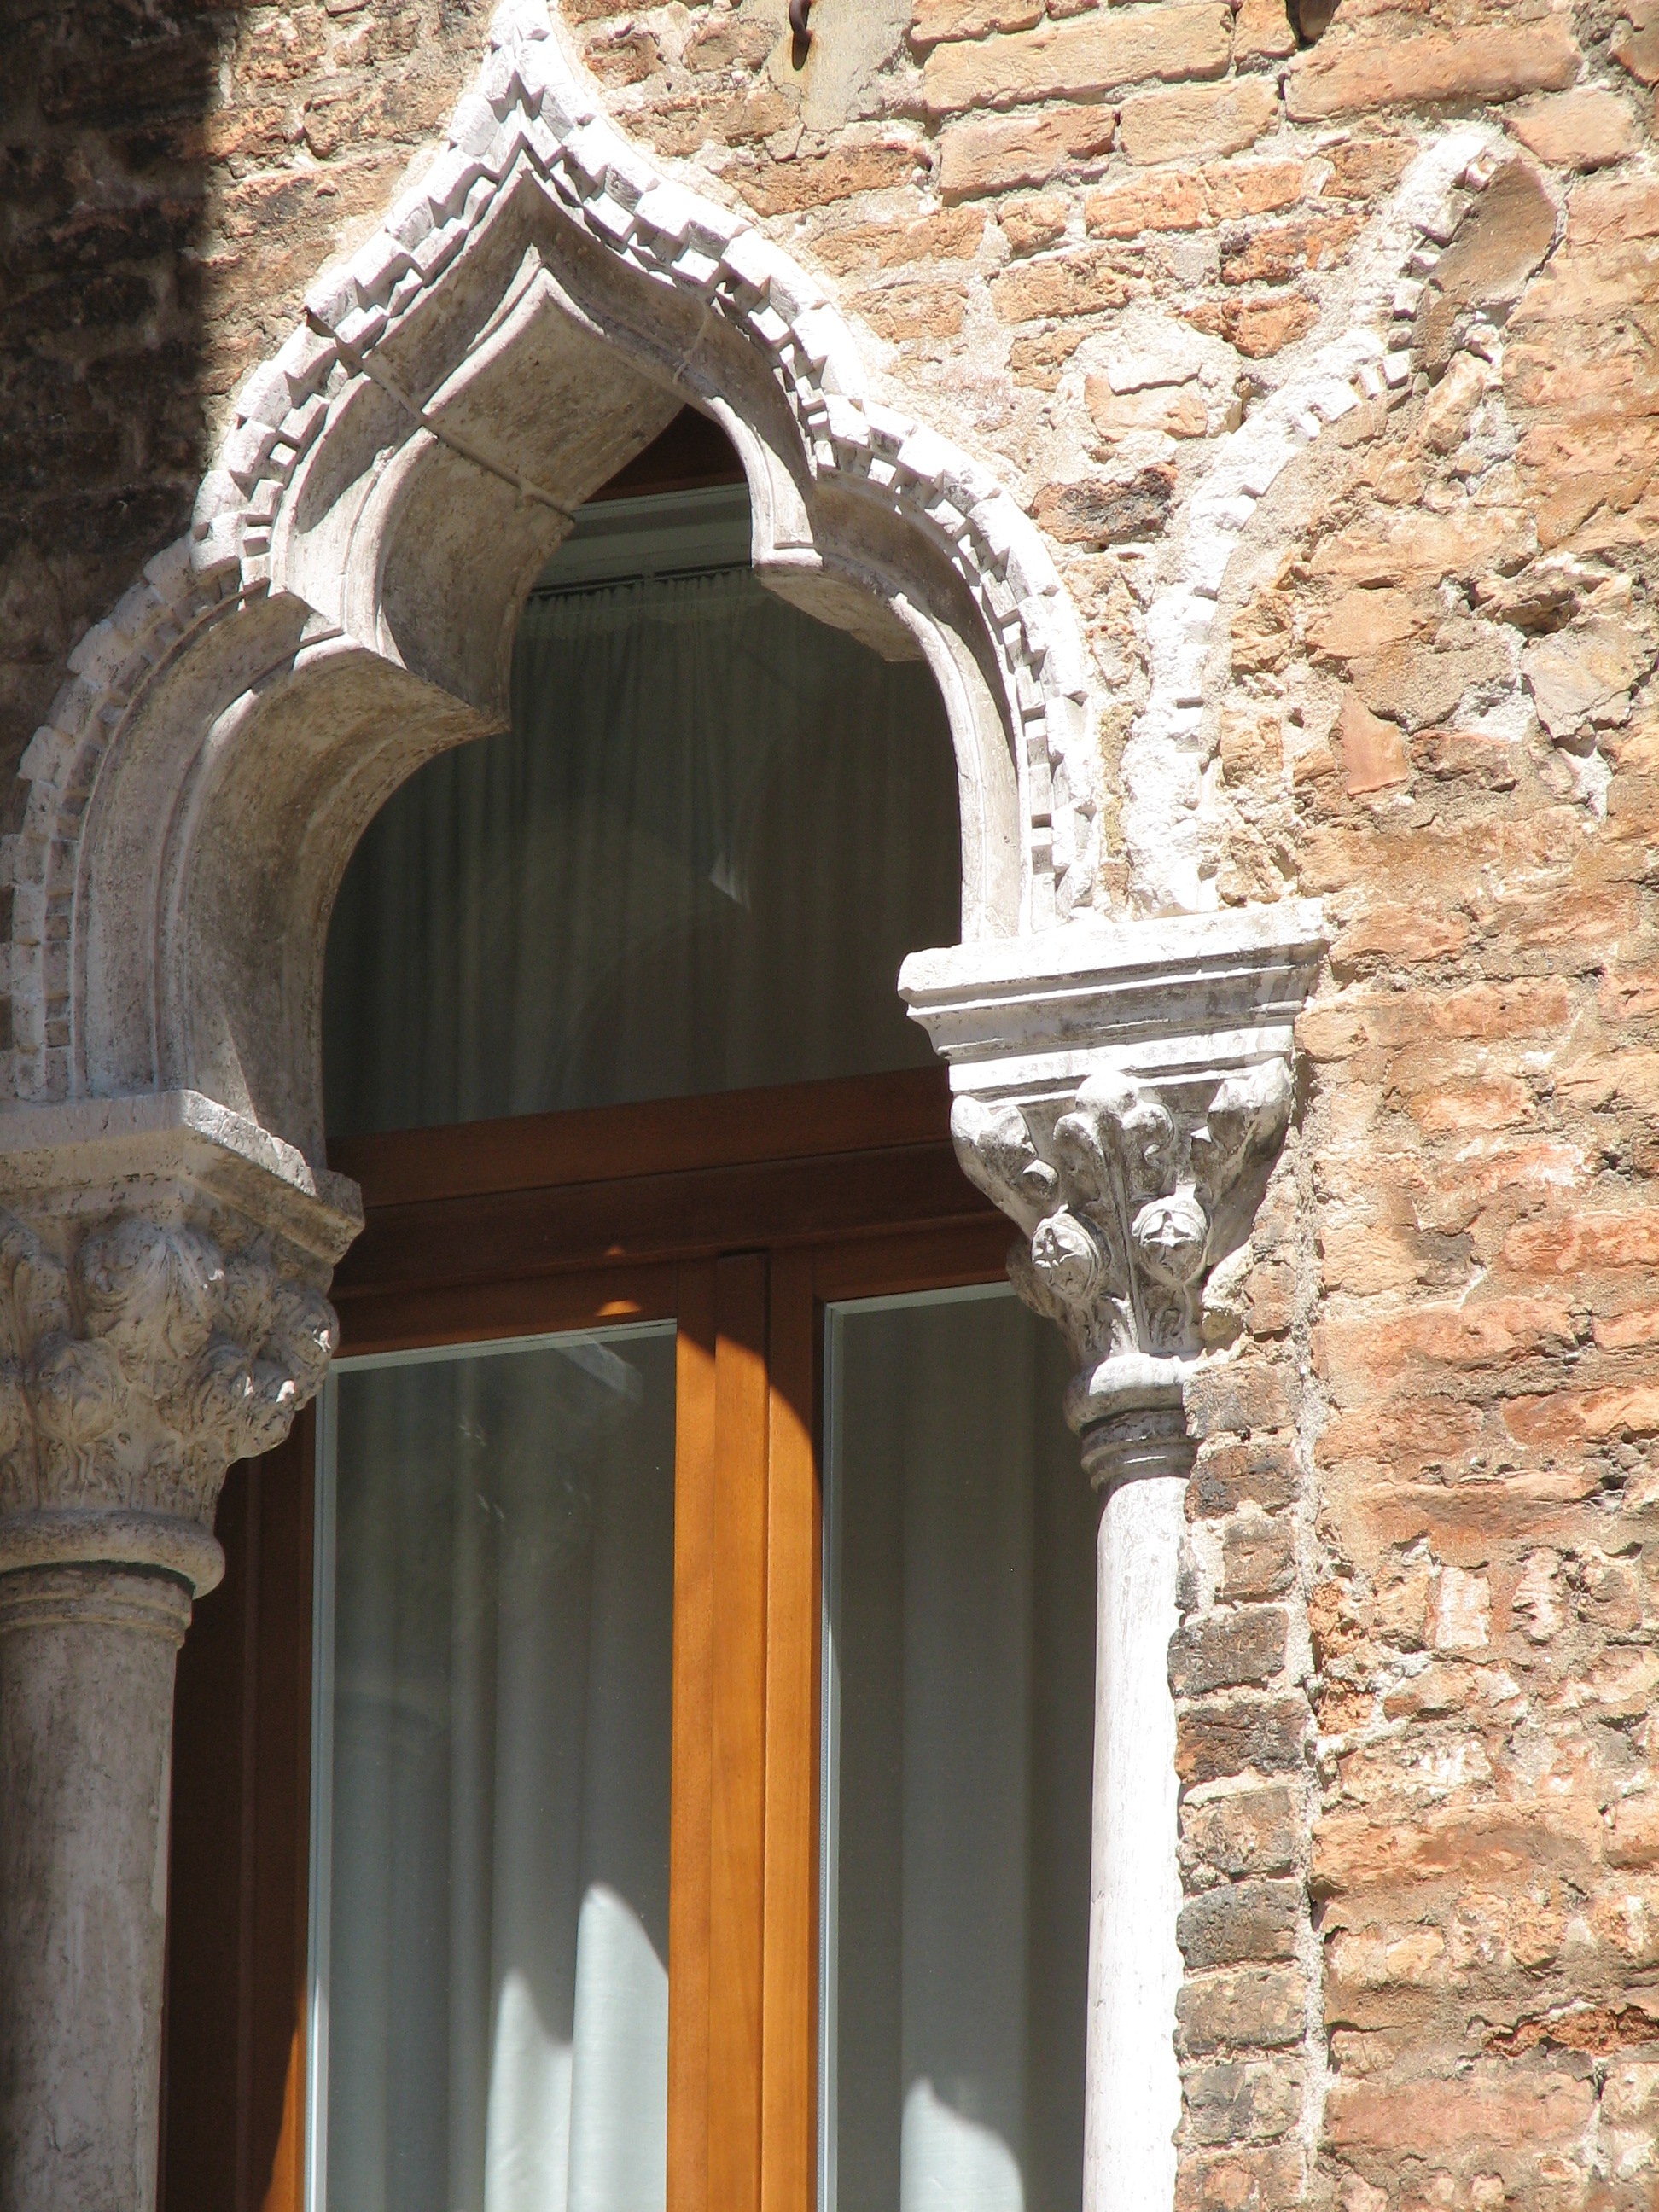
(789,2007)
(738,1730)
(239,1874)
(282,1860)
(693,1746)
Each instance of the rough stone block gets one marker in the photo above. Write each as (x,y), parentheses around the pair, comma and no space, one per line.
(1258,1557)
(1252,1831)
(1243,1923)
(1083,58)
(1244,1396)
(1263,2007)
(1198,123)
(1226,1649)
(1233,2103)
(1263,1472)
(1256,1734)
(1253,2178)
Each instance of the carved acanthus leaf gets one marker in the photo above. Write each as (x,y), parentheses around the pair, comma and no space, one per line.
(998,1154)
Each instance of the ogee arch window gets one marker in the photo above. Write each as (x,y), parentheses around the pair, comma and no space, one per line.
(701,1620)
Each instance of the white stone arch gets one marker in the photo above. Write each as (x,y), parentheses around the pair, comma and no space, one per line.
(527,318)
(1362,349)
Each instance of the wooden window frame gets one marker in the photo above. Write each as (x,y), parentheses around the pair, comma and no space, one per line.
(740,1216)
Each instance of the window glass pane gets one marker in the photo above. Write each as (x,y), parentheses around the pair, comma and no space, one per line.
(958,1720)
(496,1606)
(694,864)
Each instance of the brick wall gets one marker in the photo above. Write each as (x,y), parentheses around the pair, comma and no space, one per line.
(1420,1817)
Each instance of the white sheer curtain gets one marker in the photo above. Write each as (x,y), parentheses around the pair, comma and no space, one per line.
(959,1648)
(497,1960)
(694,864)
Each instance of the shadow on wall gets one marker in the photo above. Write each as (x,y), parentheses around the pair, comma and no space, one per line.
(102,194)
(1311,19)
(173,174)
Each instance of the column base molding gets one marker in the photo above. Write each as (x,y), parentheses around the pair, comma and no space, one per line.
(150,1601)
(94,1537)
(1138,1447)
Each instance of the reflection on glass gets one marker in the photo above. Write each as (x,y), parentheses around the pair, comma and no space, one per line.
(958,1736)
(694,863)
(492,1771)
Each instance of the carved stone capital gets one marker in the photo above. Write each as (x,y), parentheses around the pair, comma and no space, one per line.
(163,1268)
(1128,1205)
(1123,1099)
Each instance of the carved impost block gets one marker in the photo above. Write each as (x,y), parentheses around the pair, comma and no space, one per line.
(1123,1097)
(163,1267)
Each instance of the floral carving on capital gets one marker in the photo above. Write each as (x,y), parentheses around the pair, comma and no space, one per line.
(135,1369)
(1128,1205)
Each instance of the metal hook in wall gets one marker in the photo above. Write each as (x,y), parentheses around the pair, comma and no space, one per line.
(800,30)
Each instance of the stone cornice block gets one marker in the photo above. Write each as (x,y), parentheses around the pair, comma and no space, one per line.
(1175,1002)
(175,1147)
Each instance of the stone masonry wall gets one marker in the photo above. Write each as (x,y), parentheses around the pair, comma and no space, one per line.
(1421,1642)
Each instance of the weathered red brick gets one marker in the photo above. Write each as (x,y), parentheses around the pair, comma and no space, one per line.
(1384,63)
(785,187)
(933,20)
(1198,121)
(1074,284)
(1491,2108)
(1005,152)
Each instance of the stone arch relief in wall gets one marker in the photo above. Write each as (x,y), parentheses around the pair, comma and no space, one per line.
(527,319)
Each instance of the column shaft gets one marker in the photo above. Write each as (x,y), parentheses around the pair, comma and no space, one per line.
(1134,2081)
(86,1658)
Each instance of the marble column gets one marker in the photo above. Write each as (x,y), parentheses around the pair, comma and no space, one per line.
(1123,1102)
(1140,1464)
(161,1315)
